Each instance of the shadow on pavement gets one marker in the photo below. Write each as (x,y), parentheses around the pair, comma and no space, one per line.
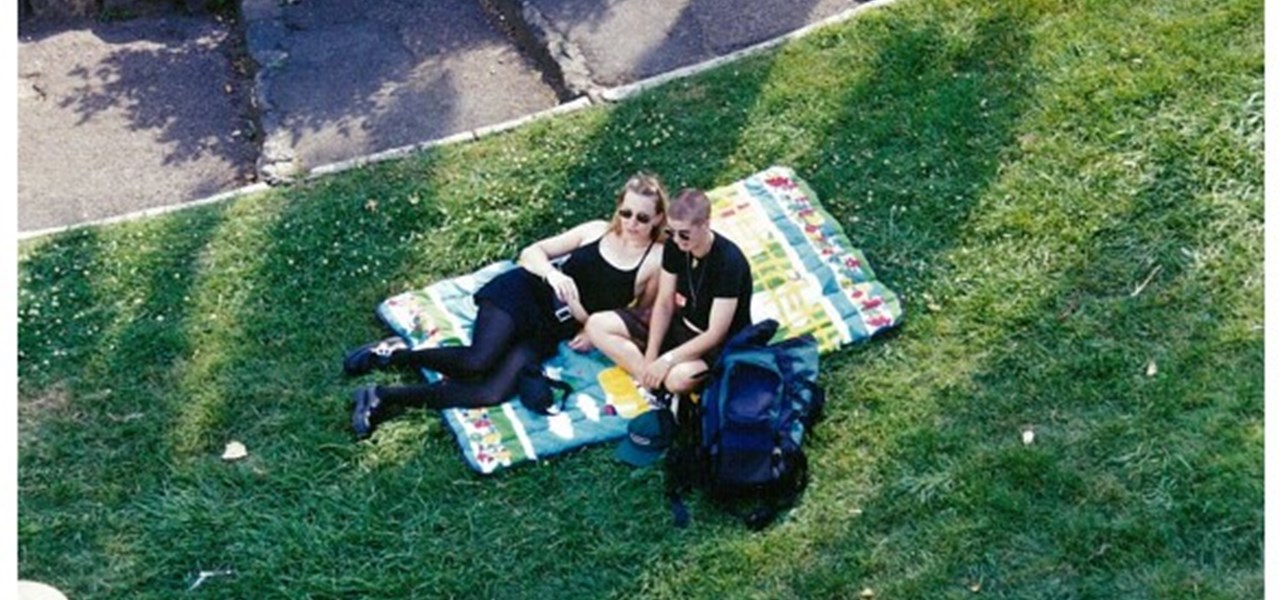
(628,41)
(120,116)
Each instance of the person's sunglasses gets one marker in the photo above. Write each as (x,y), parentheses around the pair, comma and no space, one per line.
(626,213)
(684,234)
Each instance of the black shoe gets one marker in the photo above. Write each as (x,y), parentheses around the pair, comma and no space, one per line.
(538,392)
(372,355)
(366,400)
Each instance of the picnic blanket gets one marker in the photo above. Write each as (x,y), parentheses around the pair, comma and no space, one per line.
(807,276)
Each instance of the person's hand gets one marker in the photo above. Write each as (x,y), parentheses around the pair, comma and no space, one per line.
(563,285)
(581,343)
(655,373)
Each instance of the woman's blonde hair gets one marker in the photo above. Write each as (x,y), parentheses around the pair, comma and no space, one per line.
(648,185)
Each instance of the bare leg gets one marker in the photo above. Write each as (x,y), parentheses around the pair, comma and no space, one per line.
(686,376)
(609,334)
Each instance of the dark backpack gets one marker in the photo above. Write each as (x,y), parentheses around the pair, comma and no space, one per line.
(742,442)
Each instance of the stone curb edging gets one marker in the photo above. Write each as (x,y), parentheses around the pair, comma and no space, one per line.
(150,212)
(465,136)
(385,155)
(612,95)
(622,92)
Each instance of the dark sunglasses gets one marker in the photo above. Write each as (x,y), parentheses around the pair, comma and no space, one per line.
(626,213)
(684,234)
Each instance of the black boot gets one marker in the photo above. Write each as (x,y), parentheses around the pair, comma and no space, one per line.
(366,408)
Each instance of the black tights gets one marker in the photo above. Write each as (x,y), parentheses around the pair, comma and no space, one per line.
(482,374)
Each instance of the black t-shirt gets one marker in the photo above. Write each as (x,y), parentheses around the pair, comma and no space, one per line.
(722,273)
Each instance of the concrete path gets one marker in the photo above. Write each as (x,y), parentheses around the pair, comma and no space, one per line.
(623,41)
(119,117)
(343,79)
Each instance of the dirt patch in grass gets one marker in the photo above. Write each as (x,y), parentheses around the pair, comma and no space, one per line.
(51,403)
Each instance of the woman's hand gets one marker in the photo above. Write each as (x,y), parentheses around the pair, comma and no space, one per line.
(655,373)
(581,343)
(563,285)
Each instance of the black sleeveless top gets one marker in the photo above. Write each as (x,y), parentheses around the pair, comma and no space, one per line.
(531,303)
(601,286)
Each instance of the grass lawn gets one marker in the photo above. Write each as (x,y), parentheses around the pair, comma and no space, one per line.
(1067,194)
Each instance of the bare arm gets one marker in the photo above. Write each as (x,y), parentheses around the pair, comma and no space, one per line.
(536,258)
(718,323)
(660,319)
(659,322)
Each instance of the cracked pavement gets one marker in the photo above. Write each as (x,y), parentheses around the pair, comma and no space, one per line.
(118,117)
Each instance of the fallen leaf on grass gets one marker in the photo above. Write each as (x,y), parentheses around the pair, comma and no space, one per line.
(1151,368)
(975,587)
(867,594)
(234,451)
(126,418)
(1146,282)
(207,575)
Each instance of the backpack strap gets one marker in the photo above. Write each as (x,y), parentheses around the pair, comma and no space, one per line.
(684,461)
(817,402)
(772,505)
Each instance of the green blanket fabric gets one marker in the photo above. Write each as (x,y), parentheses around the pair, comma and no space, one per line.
(807,276)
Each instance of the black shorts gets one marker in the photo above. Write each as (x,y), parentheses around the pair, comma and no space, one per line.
(637,323)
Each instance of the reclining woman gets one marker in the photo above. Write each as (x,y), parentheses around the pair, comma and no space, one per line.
(525,313)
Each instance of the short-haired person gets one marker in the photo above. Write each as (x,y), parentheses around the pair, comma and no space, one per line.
(704,298)
(525,313)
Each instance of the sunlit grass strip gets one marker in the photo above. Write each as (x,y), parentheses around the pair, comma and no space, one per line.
(221,299)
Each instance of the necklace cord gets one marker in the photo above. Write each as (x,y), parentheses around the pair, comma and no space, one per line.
(694,286)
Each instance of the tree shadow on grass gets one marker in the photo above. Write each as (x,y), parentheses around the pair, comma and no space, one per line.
(1134,472)
(1133,476)
(104,326)
(215,341)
